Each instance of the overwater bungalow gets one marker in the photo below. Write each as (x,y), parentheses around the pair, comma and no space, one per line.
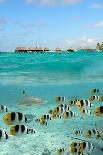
(46,49)
(58,49)
(40,50)
(86,49)
(31,50)
(21,50)
(70,50)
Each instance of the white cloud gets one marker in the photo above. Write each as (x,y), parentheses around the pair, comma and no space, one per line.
(84,41)
(97,5)
(88,40)
(54,2)
(97,25)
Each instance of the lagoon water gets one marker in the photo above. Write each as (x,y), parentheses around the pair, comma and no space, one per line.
(46,76)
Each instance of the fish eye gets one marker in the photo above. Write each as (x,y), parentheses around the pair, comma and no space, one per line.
(7,119)
(12,130)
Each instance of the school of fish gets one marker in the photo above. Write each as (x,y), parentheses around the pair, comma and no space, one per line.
(16,121)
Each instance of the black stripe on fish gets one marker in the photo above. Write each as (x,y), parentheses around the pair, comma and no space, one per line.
(94,90)
(22,128)
(20,116)
(44,116)
(65,106)
(2,107)
(75,144)
(57,109)
(94,132)
(60,150)
(61,105)
(13,116)
(0,133)
(82,103)
(47,116)
(59,98)
(63,98)
(26,119)
(101,109)
(6,135)
(75,150)
(89,132)
(86,101)
(6,109)
(71,113)
(27,131)
(90,104)
(84,145)
(16,128)
(67,113)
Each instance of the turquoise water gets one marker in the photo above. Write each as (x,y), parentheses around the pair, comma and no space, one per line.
(46,76)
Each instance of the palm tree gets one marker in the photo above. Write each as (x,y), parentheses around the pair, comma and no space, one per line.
(98,47)
(102,46)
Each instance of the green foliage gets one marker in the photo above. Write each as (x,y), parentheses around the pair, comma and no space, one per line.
(99,46)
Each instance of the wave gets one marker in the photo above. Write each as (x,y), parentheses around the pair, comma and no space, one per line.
(51,68)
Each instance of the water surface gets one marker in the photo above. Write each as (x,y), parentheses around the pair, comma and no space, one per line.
(46,76)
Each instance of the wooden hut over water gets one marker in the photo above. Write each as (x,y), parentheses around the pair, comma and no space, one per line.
(58,49)
(31,50)
(21,50)
(70,50)
(40,50)
(86,49)
(46,49)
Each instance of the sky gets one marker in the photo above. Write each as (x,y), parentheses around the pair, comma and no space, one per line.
(50,23)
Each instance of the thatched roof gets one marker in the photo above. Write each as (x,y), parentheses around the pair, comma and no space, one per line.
(21,48)
(86,49)
(40,49)
(58,49)
(31,49)
(46,49)
(70,50)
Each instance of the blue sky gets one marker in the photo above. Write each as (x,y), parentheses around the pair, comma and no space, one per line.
(50,23)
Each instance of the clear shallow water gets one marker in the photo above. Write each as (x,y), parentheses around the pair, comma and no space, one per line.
(46,76)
